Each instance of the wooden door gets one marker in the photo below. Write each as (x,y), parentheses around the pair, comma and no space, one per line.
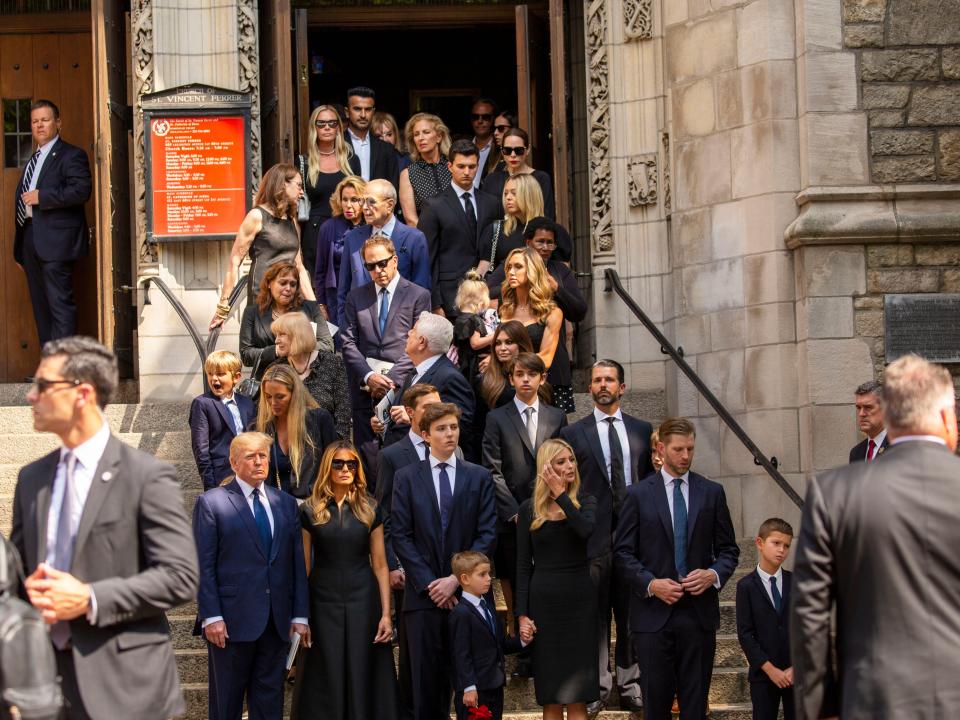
(559,104)
(302,77)
(276,83)
(57,67)
(533,83)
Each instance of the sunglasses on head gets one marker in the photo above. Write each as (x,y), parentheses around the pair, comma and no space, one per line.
(501,128)
(379,264)
(341,464)
(481,116)
(327,124)
(518,151)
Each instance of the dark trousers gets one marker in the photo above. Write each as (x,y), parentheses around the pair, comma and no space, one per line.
(403,666)
(366,441)
(73,708)
(613,602)
(766,699)
(428,645)
(253,669)
(676,660)
(51,292)
(493,699)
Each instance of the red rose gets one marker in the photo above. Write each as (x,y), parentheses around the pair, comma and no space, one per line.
(479,713)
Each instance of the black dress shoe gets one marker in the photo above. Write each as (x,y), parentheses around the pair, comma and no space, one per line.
(594,708)
(631,705)
(523,668)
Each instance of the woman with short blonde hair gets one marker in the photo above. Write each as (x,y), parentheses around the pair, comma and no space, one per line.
(428,141)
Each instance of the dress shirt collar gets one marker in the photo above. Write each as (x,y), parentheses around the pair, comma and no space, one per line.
(668,479)
(924,438)
(391,286)
(425,365)
(451,463)
(461,192)
(357,139)
(878,440)
(417,440)
(89,452)
(247,489)
(388,227)
(522,406)
(602,416)
(226,399)
(473,599)
(48,146)
(765,576)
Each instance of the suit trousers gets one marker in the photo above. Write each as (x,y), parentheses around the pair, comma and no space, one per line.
(366,441)
(766,698)
(428,642)
(613,602)
(253,669)
(678,659)
(73,704)
(51,291)
(493,699)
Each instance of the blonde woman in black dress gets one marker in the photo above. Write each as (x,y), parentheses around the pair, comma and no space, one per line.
(427,175)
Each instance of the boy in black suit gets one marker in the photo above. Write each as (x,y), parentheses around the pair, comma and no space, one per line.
(762,626)
(477,641)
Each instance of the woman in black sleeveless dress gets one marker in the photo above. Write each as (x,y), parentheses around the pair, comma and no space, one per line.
(428,141)
(348,672)
(553,528)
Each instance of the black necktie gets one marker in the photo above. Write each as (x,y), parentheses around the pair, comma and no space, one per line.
(24,186)
(488,617)
(775,593)
(618,481)
(471,214)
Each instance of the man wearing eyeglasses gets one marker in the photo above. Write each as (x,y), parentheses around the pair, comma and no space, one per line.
(372,158)
(482,113)
(377,317)
(413,258)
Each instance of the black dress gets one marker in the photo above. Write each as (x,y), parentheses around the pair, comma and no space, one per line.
(553,569)
(277,241)
(320,211)
(428,179)
(494,182)
(558,375)
(345,675)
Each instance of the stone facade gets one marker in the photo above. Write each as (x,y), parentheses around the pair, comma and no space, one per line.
(908,53)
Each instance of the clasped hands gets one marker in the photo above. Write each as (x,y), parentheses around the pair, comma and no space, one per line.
(528,628)
(670,591)
(442,592)
(58,595)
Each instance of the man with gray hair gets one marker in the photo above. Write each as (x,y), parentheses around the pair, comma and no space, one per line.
(869,404)
(427,344)
(878,546)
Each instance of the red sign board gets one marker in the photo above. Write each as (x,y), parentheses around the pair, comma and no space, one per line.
(199,175)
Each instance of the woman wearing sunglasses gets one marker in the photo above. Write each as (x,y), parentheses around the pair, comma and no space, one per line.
(347,205)
(348,670)
(501,123)
(516,151)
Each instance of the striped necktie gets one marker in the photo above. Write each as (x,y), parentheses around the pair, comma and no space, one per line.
(24,186)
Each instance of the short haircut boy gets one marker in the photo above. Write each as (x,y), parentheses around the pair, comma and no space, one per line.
(772,525)
(466,562)
(415,392)
(220,361)
(437,411)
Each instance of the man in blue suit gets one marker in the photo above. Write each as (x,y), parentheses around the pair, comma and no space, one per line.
(675,546)
(441,506)
(51,228)
(253,584)
(413,257)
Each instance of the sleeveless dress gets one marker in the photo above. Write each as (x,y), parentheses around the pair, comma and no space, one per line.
(277,241)
(428,179)
(559,375)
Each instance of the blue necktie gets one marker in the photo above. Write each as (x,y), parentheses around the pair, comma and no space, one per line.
(235,413)
(777,599)
(263,522)
(384,309)
(446,498)
(25,185)
(488,616)
(679,528)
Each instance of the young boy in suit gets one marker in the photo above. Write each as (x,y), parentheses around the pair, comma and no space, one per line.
(217,417)
(762,624)
(477,640)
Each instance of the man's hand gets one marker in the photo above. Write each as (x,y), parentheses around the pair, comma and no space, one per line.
(470,698)
(216,633)
(667,590)
(57,595)
(398,413)
(777,676)
(397,579)
(697,581)
(789,673)
(376,424)
(553,282)
(303,631)
(442,590)
(379,384)
(31,197)
(528,628)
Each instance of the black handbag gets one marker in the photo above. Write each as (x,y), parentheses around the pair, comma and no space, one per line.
(250,387)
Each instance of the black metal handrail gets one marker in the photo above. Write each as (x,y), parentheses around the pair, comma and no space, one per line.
(769,464)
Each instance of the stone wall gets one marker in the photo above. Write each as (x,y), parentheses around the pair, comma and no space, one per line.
(908,55)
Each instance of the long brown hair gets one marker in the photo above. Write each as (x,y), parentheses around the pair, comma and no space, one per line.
(541,491)
(264,296)
(271,193)
(360,502)
(538,286)
(495,378)
(298,439)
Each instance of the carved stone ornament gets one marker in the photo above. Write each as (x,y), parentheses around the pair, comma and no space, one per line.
(601,177)
(141,21)
(642,180)
(638,19)
(249,60)
(665,174)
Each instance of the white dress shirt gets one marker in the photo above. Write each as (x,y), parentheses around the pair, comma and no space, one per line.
(421,369)
(604,434)
(32,185)
(765,578)
(451,473)
(877,442)
(419,444)
(522,409)
(234,410)
(361,148)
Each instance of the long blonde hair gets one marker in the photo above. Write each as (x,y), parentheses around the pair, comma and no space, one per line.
(384,118)
(538,287)
(360,502)
(340,146)
(442,130)
(541,491)
(529,200)
(299,441)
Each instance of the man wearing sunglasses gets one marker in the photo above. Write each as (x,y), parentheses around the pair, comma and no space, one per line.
(413,258)
(372,158)
(482,113)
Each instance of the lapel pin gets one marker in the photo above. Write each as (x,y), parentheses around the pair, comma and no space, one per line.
(107,476)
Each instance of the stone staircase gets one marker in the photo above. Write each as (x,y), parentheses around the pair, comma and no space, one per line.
(163,431)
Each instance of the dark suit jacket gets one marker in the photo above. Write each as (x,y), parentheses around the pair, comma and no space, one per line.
(415,519)
(568,296)
(878,544)
(477,653)
(361,331)
(321,430)
(237,580)
(135,549)
(584,438)
(392,458)
(258,346)
(59,223)
(453,249)
(212,431)
(452,387)
(763,633)
(413,260)
(383,160)
(643,547)
(859,451)
(507,453)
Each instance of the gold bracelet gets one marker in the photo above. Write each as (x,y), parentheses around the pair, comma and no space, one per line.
(222,314)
